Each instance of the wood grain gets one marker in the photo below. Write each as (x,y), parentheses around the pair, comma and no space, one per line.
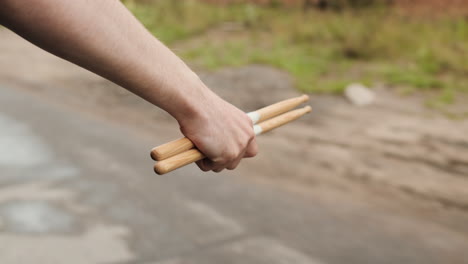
(172,148)
(281,107)
(177,161)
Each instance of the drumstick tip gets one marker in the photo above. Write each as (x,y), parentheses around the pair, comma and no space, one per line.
(153,154)
(304,97)
(158,169)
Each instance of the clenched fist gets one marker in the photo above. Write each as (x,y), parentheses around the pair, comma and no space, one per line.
(220,131)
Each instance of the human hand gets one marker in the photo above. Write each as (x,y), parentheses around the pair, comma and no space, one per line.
(222,132)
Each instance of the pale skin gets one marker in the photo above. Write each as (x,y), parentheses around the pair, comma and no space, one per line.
(105,38)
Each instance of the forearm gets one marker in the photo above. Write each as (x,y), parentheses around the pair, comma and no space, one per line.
(104,37)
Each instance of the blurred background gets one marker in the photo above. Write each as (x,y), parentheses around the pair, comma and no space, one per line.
(377,173)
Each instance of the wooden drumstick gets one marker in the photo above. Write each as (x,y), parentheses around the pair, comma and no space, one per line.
(182,144)
(193,155)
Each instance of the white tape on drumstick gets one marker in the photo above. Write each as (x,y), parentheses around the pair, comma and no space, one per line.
(254,116)
(257,130)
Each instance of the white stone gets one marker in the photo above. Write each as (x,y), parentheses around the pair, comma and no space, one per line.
(359,94)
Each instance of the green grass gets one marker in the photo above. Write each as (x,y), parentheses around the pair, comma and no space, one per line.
(324,51)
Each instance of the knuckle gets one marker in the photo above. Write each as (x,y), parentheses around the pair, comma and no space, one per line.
(252,152)
(242,144)
(218,170)
(232,166)
(221,160)
(246,139)
(248,121)
(231,155)
(250,134)
(203,166)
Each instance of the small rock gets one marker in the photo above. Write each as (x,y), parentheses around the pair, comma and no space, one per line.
(359,94)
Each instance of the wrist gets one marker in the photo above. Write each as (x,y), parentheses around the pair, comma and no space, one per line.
(194,104)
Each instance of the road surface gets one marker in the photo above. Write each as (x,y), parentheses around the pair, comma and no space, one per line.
(77,189)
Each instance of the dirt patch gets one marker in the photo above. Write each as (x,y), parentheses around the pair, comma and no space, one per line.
(392,144)
(396,143)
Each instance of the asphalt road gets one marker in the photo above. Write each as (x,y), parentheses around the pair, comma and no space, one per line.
(77,189)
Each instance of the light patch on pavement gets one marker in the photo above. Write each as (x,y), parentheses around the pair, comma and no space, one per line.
(220,226)
(49,172)
(28,217)
(59,172)
(29,208)
(270,251)
(101,244)
(24,155)
(19,146)
(35,217)
(252,251)
(34,191)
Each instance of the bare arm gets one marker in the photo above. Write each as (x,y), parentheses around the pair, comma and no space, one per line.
(104,37)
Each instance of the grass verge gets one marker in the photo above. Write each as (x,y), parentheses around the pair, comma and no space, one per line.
(324,51)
